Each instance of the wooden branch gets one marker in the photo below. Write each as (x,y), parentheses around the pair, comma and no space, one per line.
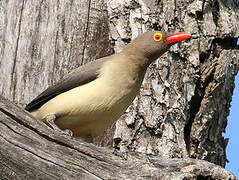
(31,150)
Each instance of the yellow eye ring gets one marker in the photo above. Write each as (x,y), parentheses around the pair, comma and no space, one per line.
(158,36)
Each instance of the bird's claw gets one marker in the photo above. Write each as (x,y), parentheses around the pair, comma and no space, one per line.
(67,132)
(50,121)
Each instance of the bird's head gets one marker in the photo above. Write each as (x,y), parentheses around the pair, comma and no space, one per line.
(153,44)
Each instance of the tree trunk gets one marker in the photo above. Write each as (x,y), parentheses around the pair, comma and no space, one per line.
(183,104)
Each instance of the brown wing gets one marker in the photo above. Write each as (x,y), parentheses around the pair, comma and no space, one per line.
(82,75)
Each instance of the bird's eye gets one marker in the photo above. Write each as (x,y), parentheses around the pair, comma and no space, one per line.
(158,36)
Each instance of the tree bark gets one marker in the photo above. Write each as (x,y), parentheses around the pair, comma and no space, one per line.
(32,150)
(184,101)
(183,105)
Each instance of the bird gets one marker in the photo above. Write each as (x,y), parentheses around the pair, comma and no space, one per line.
(95,95)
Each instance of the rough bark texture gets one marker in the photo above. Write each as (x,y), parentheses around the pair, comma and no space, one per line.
(42,41)
(31,150)
(185,98)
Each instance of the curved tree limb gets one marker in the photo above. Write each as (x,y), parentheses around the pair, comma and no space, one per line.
(31,150)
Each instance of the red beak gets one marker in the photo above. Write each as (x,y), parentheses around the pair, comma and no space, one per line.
(177,37)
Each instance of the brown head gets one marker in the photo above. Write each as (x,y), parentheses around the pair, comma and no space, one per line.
(153,44)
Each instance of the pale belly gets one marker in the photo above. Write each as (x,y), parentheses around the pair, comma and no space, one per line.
(84,125)
(90,109)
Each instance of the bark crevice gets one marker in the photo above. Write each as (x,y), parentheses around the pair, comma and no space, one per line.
(86,32)
(13,73)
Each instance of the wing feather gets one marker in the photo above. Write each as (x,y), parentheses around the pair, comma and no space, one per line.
(80,76)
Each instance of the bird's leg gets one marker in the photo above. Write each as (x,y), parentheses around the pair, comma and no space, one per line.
(50,121)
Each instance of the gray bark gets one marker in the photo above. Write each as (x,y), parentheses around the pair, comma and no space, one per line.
(184,101)
(32,150)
